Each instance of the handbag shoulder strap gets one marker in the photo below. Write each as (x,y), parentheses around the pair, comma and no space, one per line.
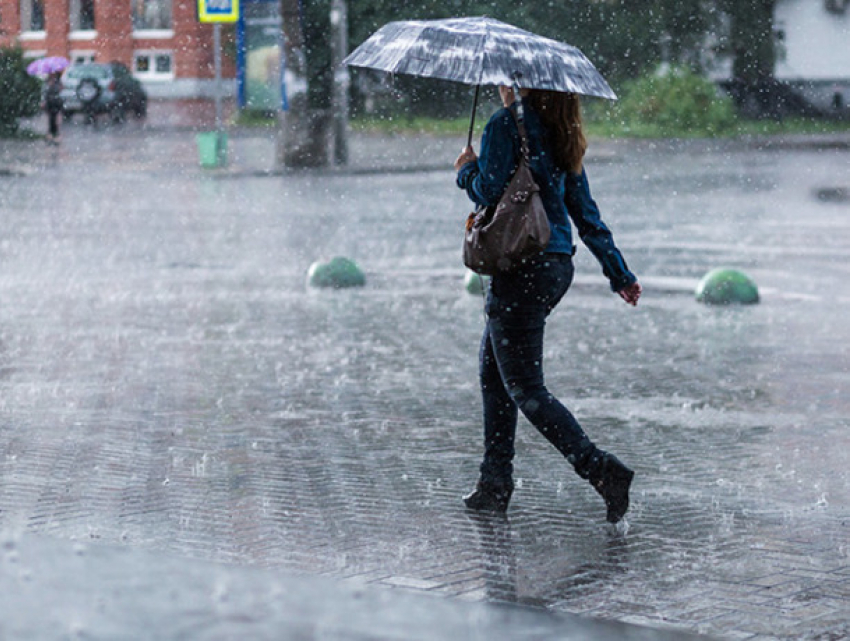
(519,117)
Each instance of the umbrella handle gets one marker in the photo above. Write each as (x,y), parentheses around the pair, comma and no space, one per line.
(520,112)
(472,116)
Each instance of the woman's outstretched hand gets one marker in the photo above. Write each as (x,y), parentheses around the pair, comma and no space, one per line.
(467,155)
(631,293)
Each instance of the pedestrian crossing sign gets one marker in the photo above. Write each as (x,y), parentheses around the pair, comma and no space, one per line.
(218,10)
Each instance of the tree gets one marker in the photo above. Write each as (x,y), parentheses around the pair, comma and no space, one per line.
(298,145)
(624,39)
(752,46)
(20,94)
(307,127)
(750,40)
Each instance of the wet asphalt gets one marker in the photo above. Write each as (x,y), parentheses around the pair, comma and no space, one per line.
(194,444)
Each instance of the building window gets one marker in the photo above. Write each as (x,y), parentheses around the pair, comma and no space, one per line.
(34,54)
(151,14)
(82,57)
(32,15)
(82,15)
(153,65)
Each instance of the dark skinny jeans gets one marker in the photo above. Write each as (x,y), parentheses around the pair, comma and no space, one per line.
(511,367)
(53,121)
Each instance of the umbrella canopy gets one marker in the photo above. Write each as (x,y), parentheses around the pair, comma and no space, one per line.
(47,66)
(480,51)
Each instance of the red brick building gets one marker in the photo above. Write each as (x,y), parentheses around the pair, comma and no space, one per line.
(161,41)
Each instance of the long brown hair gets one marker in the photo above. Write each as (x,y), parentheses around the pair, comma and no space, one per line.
(561,115)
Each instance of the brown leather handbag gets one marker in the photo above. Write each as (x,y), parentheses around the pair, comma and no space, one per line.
(498,238)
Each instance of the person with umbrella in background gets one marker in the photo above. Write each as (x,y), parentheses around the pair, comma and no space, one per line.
(51,67)
(53,105)
(539,81)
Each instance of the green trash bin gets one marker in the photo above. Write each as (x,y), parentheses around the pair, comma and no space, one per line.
(212,148)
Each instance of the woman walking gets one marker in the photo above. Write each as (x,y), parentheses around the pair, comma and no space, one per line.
(519,301)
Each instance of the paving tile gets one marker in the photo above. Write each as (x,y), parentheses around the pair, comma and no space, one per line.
(704,614)
(413,584)
(167,383)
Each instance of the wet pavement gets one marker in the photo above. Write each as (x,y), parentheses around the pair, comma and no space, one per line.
(182,418)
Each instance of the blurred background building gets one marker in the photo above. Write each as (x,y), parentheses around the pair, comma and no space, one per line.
(160,41)
(807,62)
(814,50)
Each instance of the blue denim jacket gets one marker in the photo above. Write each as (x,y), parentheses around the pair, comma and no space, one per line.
(563,193)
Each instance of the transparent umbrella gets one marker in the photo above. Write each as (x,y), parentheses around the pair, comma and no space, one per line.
(479,51)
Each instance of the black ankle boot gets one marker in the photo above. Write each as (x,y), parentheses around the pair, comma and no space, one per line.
(490,497)
(612,479)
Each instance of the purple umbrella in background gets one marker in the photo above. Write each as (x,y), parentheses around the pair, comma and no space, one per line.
(47,66)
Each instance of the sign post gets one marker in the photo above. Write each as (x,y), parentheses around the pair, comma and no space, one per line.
(217,12)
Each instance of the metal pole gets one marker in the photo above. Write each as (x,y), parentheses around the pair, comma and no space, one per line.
(339,49)
(219,120)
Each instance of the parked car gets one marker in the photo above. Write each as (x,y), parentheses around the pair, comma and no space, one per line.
(94,88)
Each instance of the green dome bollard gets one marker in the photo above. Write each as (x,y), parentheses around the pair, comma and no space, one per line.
(474,283)
(338,273)
(724,286)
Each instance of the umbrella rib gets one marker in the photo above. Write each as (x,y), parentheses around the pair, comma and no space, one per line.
(401,53)
(481,46)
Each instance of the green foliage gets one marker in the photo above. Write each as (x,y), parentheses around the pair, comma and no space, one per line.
(254,118)
(804,126)
(20,94)
(315,27)
(419,125)
(601,121)
(623,38)
(677,103)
